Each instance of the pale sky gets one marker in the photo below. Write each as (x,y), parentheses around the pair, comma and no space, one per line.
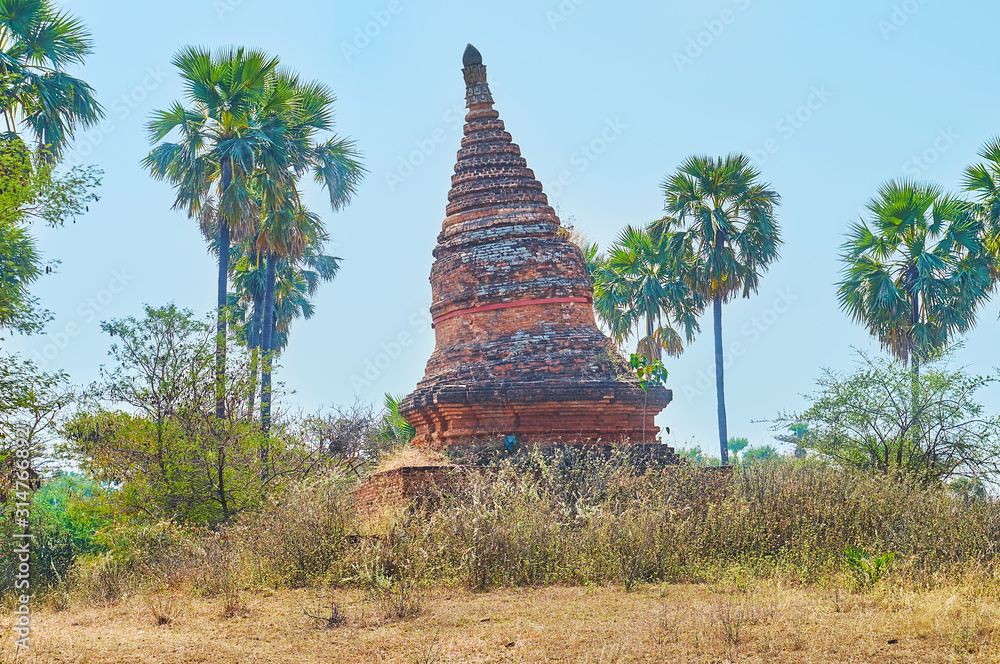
(605,99)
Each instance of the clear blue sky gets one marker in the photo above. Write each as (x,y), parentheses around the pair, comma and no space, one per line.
(844,95)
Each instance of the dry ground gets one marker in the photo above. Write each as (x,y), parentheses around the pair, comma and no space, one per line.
(767,623)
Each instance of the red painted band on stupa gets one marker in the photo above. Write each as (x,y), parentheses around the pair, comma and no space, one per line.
(543,374)
(511,305)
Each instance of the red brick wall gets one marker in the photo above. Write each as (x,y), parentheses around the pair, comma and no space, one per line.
(394,488)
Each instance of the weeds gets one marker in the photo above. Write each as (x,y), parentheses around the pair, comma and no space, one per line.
(868,570)
(332,621)
(233,604)
(570,518)
(391,571)
(734,618)
(165,609)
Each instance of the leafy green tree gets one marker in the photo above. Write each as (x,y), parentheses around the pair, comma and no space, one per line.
(149,428)
(40,100)
(726,213)
(38,44)
(32,192)
(284,236)
(296,283)
(249,135)
(697,457)
(63,520)
(648,373)
(916,273)
(969,489)
(796,436)
(866,419)
(31,403)
(64,506)
(983,181)
(287,228)
(644,286)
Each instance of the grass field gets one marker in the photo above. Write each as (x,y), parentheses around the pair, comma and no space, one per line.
(679,623)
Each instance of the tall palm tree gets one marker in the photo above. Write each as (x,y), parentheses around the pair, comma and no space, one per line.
(225,135)
(286,226)
(246,306)
(917,271)
(38,43)
(983,180)
(644,285)
(295,284)
(284,237)
(723,209)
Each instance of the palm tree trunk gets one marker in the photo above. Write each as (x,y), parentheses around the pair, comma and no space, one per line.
(255,336)
(720,380)
(268,346)
(221,469)
(223,288)
(654,349)
(914,380)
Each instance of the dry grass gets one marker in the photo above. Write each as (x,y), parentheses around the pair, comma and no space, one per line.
(410,457)
(680,623)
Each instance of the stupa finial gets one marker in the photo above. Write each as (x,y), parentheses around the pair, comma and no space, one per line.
(477,90)
(472,56)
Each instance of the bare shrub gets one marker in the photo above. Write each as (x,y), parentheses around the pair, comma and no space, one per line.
(103,580)
(355,436)
(392,570)
(164,609)
(731,618)
(305,533)
(327,614)
(233,604)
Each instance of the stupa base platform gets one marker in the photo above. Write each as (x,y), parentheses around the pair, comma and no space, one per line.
(385,492)
(533,415)
(382,495)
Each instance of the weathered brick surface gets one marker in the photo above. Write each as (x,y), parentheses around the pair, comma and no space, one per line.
(542,372)
(394,488)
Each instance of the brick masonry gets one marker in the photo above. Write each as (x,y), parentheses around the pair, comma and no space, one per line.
(543,372)
(395,488)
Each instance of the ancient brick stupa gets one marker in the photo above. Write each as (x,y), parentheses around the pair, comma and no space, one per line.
(519,356)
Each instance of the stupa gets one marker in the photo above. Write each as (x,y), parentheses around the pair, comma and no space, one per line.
(518,357)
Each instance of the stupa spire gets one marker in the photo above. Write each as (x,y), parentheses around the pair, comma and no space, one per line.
(477,89)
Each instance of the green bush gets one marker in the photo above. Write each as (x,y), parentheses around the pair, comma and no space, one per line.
(63,523)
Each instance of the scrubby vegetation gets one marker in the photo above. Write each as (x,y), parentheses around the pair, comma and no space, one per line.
(563,518)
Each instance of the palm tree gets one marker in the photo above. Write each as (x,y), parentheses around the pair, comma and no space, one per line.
(295,284)
(37,44)
(286,226)
(284,237)
(224,137)
(727,214)
(917,271)
(643,285)
(983,180)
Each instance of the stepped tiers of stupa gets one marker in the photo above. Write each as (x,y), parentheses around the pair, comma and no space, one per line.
(518,353)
